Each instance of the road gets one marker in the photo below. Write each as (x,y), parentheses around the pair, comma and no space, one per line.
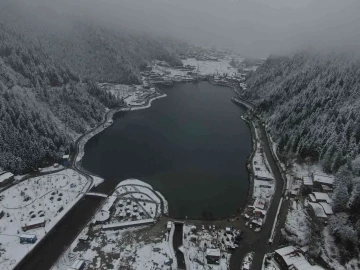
(258,242)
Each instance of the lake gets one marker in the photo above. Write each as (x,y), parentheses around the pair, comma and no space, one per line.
(191,146)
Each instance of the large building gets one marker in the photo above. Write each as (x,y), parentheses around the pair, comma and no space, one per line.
(323,182)
(32,224)
(213,255)
(291,258)
(5,178)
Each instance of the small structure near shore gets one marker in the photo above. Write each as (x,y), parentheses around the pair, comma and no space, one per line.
(213,255)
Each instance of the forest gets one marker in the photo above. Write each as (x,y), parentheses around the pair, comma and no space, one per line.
(48,80)
(310,102)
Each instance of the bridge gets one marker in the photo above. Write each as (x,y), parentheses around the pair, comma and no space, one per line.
(96,194)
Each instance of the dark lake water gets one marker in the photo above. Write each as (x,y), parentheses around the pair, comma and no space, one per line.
(191,146)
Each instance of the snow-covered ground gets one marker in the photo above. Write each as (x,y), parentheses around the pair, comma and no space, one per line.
(297,226)
(48,197)
(212,67)
(262,188)
(197,240)
(145,247)
(131,248)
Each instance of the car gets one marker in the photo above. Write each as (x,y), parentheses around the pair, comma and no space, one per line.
(257,229)
(250,226)
(247,223)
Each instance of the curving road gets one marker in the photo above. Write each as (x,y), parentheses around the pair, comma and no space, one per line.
(258,242)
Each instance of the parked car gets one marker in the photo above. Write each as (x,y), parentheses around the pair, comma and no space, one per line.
(247,223)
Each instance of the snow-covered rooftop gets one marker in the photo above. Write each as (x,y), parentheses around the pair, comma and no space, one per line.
(308,181)
(323,179)
(259,203)
(5,176)
(215,252)
(312,198)
(291,255)
(321,196)
(29,236)
(77,264)
(128,224)
(263,175)
(327,208)
(35,222)
(318,210)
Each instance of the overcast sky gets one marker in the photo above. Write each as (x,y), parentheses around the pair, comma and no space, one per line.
(251,27)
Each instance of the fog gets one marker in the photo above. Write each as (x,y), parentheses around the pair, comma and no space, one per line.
(250,27)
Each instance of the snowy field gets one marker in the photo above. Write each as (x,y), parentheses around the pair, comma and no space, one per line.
(144,247)
(212,67)
(297,225)
(46,197)
(197,240)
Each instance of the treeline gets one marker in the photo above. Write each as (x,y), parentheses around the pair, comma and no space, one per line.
(48,81)
(312,102)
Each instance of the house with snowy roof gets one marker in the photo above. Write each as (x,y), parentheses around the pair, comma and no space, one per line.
(5,178)
(212,255)
(307,184)
(320,197)
(317,211)
(322,182)
(292,258)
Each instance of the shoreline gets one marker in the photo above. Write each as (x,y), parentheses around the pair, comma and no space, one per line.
(109,116)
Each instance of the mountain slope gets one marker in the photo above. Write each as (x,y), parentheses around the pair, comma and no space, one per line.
(312,102)
(48,81)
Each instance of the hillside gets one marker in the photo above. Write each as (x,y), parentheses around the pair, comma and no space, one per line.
(48,82)
(311,103)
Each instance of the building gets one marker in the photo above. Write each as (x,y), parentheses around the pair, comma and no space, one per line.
(317,210)
(307,181)
(213,255)
(260,203)
(263,175)
(292,258)
(28,238)
(117,226)
(321,197)
(307,185)
(33,224)
(6,178)
(327,208)
(77,265)
(321,180)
